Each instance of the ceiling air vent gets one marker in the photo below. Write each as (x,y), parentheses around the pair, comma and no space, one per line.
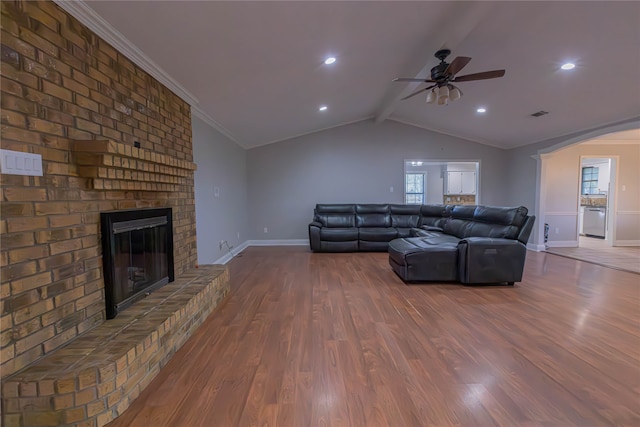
(540,113)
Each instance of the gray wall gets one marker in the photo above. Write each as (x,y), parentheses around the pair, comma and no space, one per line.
(357,163)
(222,164)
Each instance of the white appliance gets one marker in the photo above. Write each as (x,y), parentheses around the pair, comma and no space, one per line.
(594,221)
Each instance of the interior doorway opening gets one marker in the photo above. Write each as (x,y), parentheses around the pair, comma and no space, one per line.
(596,201)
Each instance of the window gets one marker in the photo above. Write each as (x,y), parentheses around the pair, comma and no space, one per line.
(414,188)
(430,182)
(589,180)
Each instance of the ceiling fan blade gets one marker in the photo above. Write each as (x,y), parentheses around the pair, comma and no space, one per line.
(417,92)
(480,76)
(406,79)
(457,64)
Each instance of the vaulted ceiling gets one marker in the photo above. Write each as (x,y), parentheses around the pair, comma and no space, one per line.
(256,68)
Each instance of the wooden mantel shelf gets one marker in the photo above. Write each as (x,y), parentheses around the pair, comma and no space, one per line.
(117,166)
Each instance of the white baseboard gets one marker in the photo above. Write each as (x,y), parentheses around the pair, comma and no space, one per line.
(535,247)
(228,257)
(281,242)
(626,243)
(562,244)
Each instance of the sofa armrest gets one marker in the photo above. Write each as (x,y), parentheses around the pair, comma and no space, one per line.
(490,260)
(314,235)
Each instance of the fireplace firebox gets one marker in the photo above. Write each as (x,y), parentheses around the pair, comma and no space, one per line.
(137,255)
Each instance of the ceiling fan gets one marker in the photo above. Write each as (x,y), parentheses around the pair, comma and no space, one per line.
(442,77)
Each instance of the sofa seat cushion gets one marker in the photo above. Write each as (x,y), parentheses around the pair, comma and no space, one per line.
(421,259)
(339,234)
(375,234)
(434,237)
(404,232)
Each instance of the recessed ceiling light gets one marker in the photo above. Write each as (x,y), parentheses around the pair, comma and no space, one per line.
(323,108)
(568,66)
(330,60)
(481,110)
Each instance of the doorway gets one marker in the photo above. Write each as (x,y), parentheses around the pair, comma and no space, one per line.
(596,201)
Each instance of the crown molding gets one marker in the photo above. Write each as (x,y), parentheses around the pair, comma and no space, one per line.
(199,113)
(87,16)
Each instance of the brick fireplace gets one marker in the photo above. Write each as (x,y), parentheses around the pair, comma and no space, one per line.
(83,106)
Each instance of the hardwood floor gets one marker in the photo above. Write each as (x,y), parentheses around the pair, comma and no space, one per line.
(597,251)
(338,340)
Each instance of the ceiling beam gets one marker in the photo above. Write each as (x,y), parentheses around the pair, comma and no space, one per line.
(460,22)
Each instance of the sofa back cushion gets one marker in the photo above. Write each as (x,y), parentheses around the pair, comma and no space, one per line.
(373,216)
(336,220)
(335,208)
(335,215)
(485,221)
(433,215)
(405,216)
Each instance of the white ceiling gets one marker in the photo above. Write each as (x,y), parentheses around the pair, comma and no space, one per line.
(257,68)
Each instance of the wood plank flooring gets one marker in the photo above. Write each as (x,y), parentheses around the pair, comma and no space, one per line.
(597,251)
(338,340)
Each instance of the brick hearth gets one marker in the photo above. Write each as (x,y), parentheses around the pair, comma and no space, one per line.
(95,378)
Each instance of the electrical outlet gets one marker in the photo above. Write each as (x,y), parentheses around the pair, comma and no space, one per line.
(557,230)
(238,234)
(266,230)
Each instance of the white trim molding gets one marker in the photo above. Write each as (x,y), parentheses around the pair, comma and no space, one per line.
(232,253)
(535,247)
(236,251)
(282,242)
(87,16)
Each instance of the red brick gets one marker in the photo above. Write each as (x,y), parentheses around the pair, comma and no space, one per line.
(57,91)
(44,17)
(34,339)
(30,282)
(15,271)
(22,47)
(27,254)
(25,224)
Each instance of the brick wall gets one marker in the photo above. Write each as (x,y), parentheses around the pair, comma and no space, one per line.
(60,82)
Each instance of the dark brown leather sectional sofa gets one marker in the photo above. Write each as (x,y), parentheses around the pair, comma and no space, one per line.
(464,243)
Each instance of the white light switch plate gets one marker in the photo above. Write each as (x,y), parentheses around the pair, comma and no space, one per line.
(19,163)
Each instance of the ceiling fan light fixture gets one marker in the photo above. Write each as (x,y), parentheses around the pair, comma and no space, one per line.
(443,91)
(432,97)
(443,100)
(454,93)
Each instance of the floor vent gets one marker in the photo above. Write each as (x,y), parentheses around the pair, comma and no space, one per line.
(540,113)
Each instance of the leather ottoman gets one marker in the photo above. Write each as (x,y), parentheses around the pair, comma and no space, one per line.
(432,259)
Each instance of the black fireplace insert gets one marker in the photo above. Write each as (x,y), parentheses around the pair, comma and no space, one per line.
(137,255)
